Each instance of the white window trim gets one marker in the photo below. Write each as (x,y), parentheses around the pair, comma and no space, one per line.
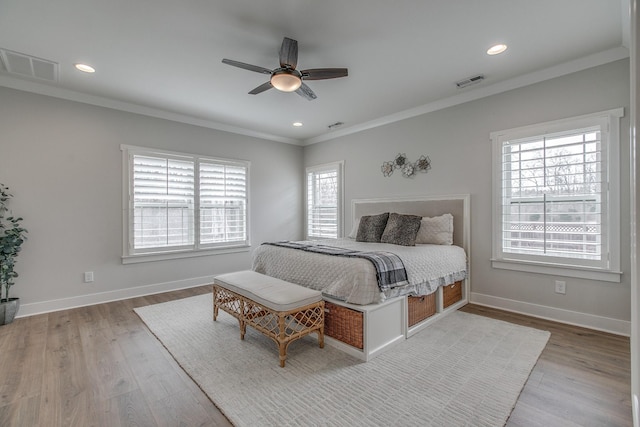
(610,274)
(339,165)
(127,224)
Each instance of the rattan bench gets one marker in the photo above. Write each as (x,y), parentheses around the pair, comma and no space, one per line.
(281,310)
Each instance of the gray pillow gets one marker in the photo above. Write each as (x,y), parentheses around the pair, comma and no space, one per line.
(401,229)
(371,228)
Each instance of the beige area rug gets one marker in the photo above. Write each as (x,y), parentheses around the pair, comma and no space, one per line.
(463,370)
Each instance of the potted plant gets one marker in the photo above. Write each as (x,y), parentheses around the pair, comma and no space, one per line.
(12,235)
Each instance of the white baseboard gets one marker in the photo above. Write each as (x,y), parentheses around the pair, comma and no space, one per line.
(585,320)
(600,323)
(102,297)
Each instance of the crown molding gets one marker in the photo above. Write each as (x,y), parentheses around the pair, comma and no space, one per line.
(590,61)
(100,101)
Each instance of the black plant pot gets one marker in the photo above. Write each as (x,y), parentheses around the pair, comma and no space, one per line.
(8,310)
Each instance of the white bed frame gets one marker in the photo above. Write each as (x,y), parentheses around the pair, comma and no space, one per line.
(386,324)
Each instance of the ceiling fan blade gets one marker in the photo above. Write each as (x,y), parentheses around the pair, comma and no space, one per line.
(289,53)
(306,92)
(324,73)
(261,88)
(249,67)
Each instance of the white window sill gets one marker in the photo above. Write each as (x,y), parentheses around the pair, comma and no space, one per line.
(558,270)
(164,256)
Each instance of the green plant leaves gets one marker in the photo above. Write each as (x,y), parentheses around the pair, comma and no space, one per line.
(12,236)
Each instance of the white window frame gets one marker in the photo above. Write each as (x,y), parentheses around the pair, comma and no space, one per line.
(130,254)
(339,168)
(609,269)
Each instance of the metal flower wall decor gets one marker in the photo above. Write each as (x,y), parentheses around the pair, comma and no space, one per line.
(409,169)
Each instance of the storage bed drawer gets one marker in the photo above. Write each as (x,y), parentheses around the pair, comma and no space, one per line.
(451,294)
(344,324)
(420,308)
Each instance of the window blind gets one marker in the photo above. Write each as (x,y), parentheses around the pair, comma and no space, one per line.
(182,203)
(163,202)
(322,203)
(223,203)
(552,198)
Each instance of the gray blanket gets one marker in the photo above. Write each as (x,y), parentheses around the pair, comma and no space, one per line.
(390,270)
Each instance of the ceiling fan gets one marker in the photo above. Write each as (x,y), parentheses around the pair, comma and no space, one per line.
(286,78)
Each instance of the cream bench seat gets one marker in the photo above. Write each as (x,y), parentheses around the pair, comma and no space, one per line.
(281,310)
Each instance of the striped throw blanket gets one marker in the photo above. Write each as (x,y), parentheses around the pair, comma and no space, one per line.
(389,267)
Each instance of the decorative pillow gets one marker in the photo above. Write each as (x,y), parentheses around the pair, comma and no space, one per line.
(371,228)
(354,230)
(401,229)
(437,230)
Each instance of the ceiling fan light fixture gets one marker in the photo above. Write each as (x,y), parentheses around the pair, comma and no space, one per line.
(287,78)
(286,81)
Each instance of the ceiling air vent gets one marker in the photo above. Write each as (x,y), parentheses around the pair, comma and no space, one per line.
(335,125)
(470,81)
(29,66)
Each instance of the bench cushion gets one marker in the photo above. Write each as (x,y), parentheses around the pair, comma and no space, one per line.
(273,293)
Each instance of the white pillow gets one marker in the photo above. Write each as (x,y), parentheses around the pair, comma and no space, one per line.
(354,230)
(437,230)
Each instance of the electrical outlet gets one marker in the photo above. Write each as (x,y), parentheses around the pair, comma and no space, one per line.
(88,276)
(561,287)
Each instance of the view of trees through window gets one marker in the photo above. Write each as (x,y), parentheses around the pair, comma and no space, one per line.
(552,195)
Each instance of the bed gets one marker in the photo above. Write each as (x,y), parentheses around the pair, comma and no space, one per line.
(354,280)
(362,317)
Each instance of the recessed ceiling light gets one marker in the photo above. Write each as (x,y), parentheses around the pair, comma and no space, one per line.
(499,48)
(297,124)
(85,68)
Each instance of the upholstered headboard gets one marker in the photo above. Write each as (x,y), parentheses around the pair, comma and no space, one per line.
(457,205)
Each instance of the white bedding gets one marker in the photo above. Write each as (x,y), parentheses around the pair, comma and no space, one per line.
(353,280)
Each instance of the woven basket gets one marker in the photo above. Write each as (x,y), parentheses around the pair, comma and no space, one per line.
(343,324)
(421,308)
(451,294)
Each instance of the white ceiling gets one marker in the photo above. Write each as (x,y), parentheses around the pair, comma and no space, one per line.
(163,57)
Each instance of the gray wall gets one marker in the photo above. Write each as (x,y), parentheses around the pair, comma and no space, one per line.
(62,160)
(457,141)
(63,163)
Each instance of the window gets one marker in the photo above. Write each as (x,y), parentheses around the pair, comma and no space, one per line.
(324,201)
(556,197)
(179,203)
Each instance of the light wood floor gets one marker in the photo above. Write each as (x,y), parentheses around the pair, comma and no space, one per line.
(100,366)
(582,378)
